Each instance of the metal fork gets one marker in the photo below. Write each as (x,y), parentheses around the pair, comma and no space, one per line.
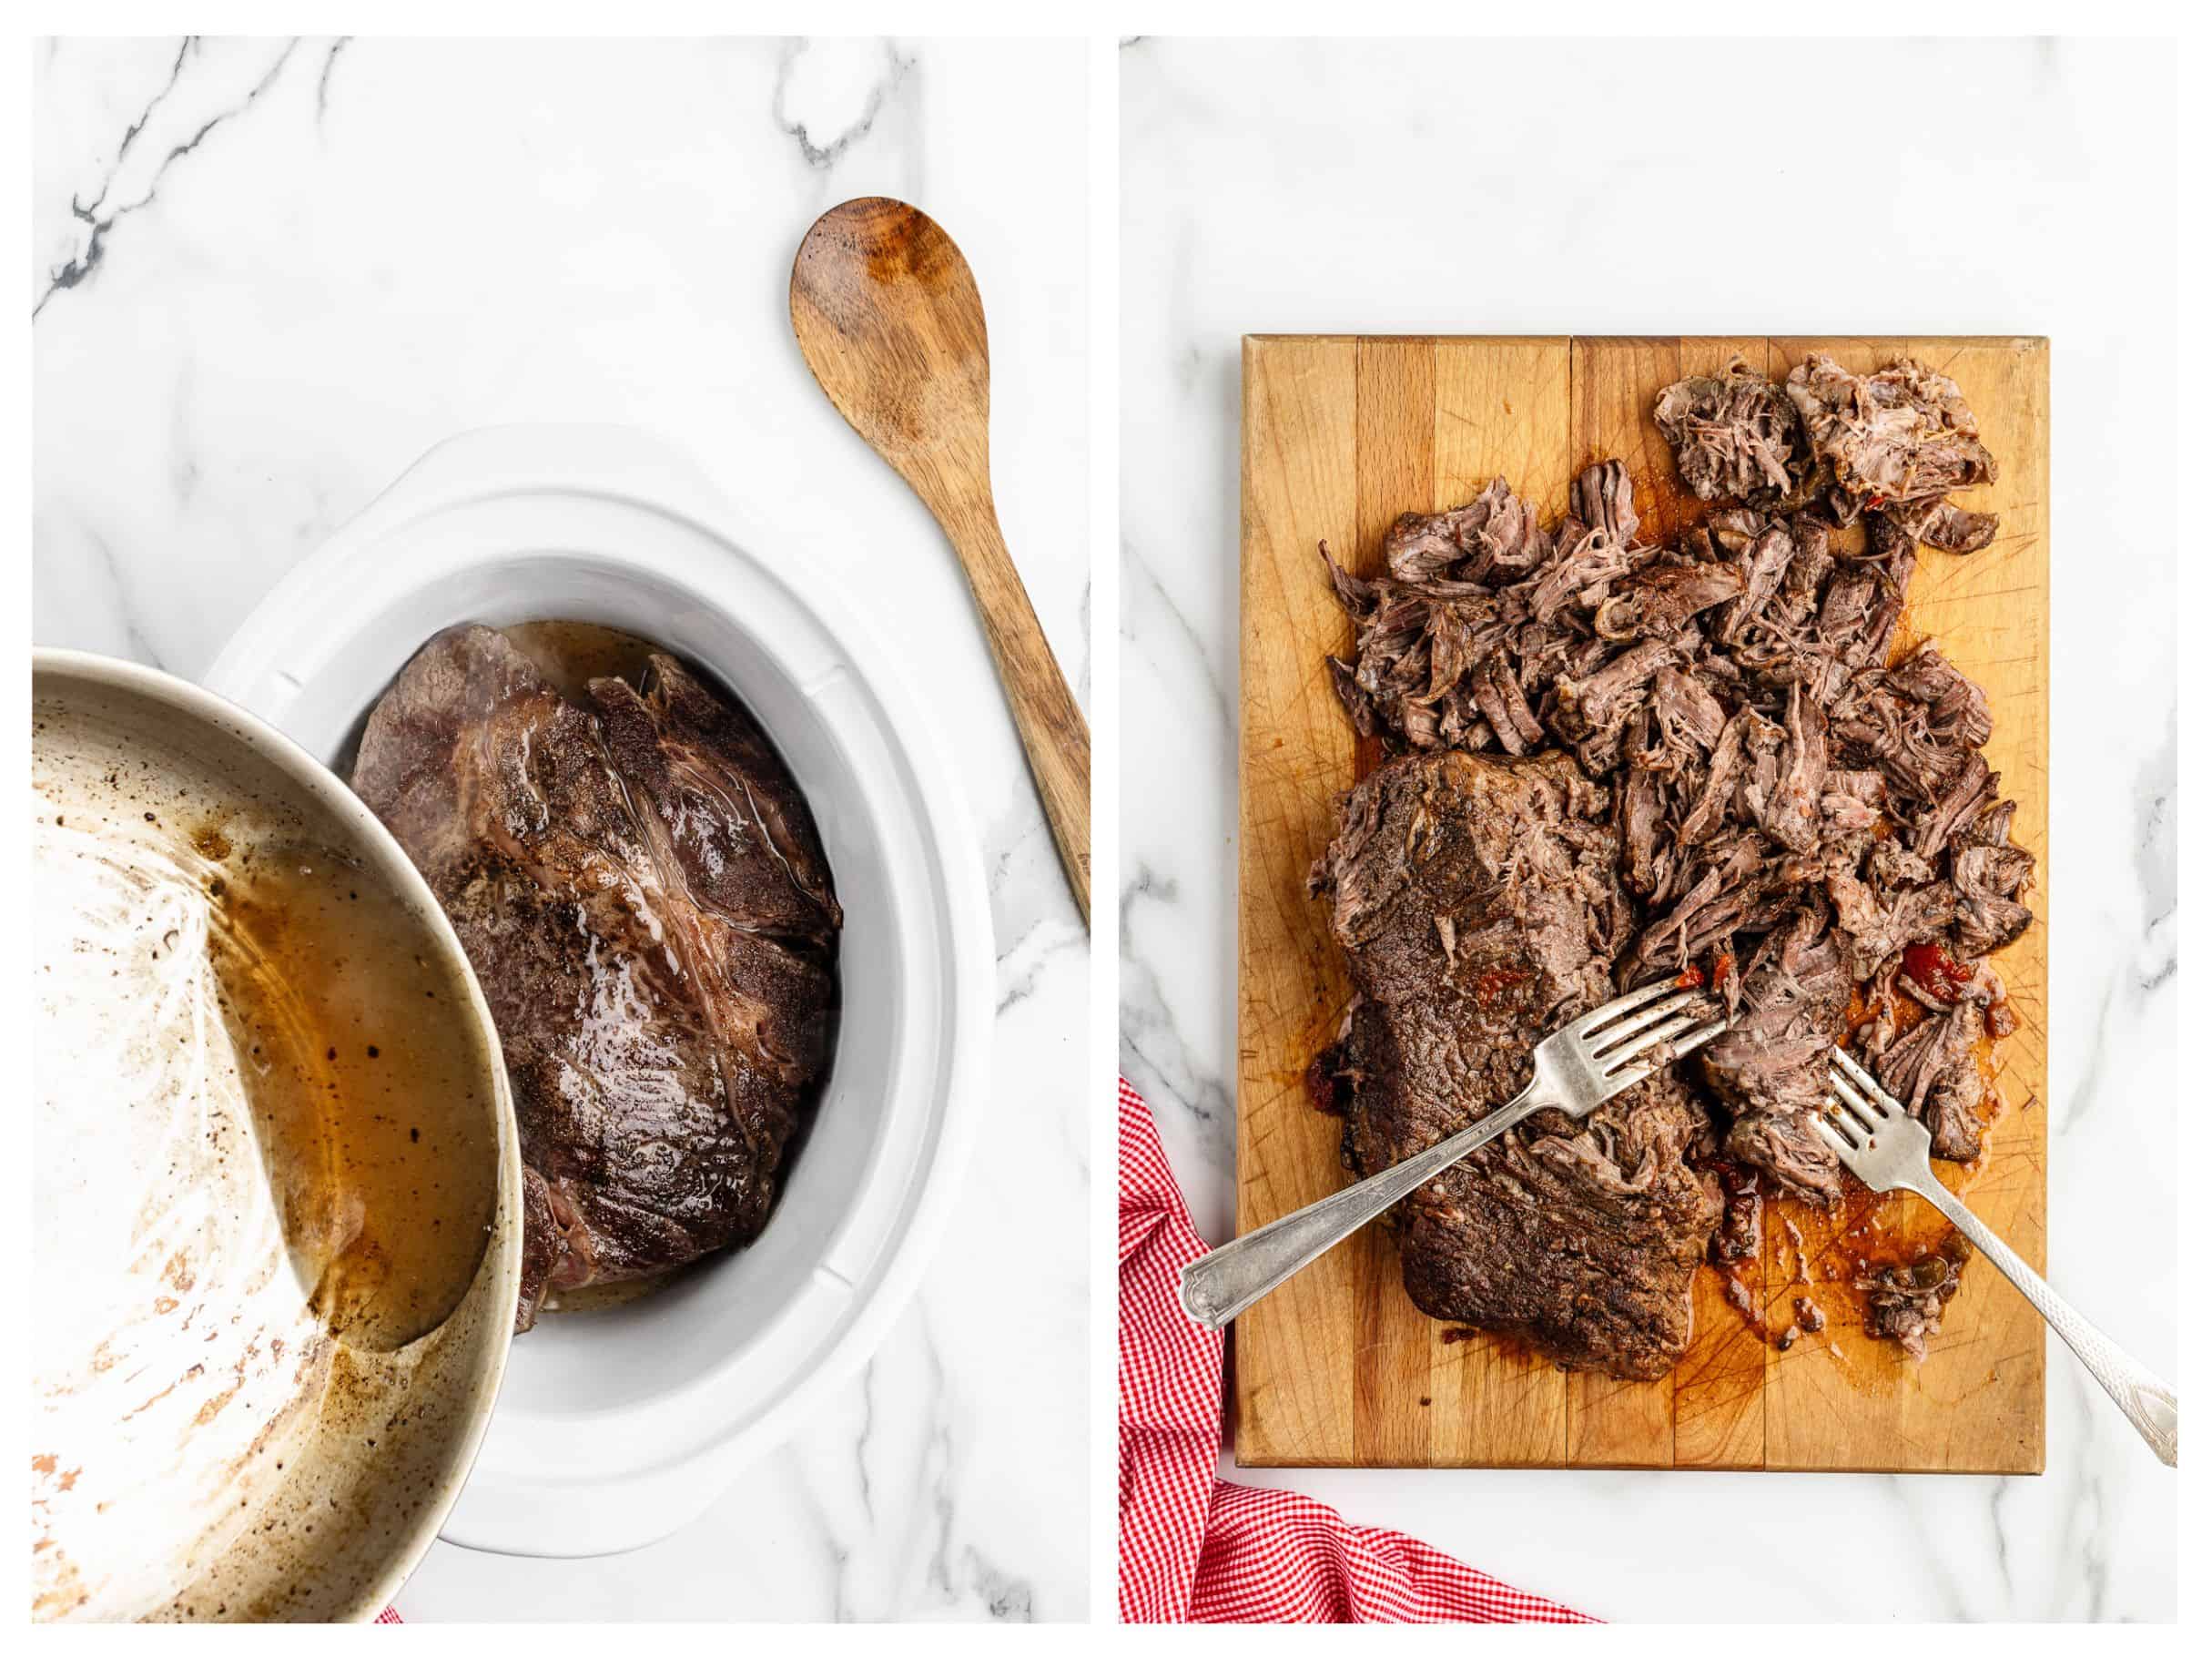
(1579,1067)
(1882,1143)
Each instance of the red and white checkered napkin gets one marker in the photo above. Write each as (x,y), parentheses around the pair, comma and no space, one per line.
(1195,1549)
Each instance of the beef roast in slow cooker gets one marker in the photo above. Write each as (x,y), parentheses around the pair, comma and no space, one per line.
(641,890)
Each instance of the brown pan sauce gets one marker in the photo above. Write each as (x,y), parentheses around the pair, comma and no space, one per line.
(367,1095)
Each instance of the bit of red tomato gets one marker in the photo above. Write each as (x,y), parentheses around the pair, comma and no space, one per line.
(1692,979)
(1490,985)
(1931,966)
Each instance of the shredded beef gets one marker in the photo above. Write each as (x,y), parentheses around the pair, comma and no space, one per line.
(1736,436)
(1932,1073)
(1905,1303)
(1902,437)
(1784,810)
(1947,528)
(1771,1066)
(1902,434)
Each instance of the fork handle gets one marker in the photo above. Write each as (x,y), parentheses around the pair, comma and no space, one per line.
(2145,1400)
(1218,1286)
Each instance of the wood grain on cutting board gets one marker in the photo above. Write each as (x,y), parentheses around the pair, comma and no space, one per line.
(1341,434)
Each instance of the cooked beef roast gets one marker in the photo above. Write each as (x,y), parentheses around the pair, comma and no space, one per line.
(640,889)
(1902,438)
(1771,1066)
(1476,901)
(1937,523)
(1736,436)
(1905,1303)
(1788,812)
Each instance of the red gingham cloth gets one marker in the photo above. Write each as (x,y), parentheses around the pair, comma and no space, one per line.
(391,1614)
(1195,1549)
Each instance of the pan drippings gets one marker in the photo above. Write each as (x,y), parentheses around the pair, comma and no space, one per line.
(571,653)
(365,1098)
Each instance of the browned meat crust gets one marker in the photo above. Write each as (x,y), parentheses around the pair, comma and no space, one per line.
(640,890)
(1476,902)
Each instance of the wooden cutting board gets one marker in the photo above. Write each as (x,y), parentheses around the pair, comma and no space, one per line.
(1337,1368)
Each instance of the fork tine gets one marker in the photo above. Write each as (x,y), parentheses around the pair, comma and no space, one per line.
(1621,1081)
(1699,1037)
(1837,1143)
(1620,1004)
(1840,1060)
(1845,1095)
(1614,1058)
(1869,1099)
(1618,1031)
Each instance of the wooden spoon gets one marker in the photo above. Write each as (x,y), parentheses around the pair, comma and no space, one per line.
(888,319)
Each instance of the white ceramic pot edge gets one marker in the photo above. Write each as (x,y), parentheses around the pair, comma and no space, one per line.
(626,463)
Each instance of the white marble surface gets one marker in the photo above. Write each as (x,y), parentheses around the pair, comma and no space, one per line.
(267,277)
(1532,188)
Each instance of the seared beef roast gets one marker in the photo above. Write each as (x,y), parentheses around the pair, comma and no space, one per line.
(640,889)
(1476,901)
(1786,812)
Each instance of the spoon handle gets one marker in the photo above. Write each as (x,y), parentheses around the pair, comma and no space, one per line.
(1053,731)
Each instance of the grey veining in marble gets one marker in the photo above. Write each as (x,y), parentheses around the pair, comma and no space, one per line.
(1531,186)
(268,275)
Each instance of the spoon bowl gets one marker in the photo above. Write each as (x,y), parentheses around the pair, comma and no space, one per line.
(891,324)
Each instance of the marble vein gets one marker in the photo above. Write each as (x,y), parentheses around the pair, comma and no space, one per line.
(323,81)
(100,224)
(822,155)
(1178,641)
(1159,1058)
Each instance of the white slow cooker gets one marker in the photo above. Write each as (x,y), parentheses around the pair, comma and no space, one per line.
(615,1427)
